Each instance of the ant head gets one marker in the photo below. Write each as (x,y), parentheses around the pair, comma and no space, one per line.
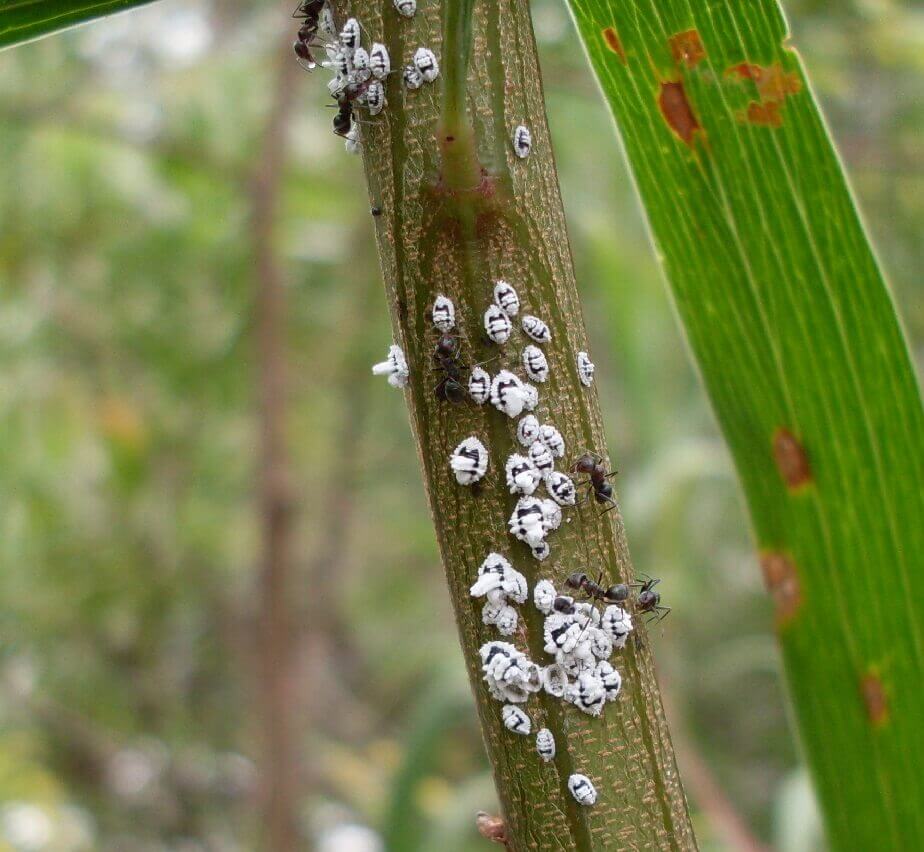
(564,604)
(446,345)
(576,580)
(585,464)
(617,593)
(648,599)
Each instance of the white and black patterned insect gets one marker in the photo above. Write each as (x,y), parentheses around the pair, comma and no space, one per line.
(588,694)
(551,513)
(527,523)
(406,7)
(443,313)
(479,385)
(499,581)
(352,142)
(536,329)
(522,141)
(528,430)
(506,298)
(379,61)
(535,363)
(551,437)
(338,61)
(555,680)
(510,676)
(413,79)
(544,595)
(375,97)
(469,461)
(350,35)
(360,66)
(530,396)
(541,457)
(561,487)
(618,623)
(545,744)
(394,366)
(426,63)
(541,551)
(585,369)
(497,324)
(507,393)
(522,476)
(610,678)
(326,26)
(582,789)
(516,720)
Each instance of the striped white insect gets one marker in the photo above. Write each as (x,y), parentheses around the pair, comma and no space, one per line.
(588,694)
(413,79)
(406,7)
(536,329)
(535,363)
(350,36)
(544,595)
(582,789)
(618,623)
(551,437)
(527,523)
(507,393)
(506,298)
(509,674)
(444,313)
(503,616)
(379,61)
(479,385)
(375,97)
(541,457)
(497,324)
(530,396)
(528,430)
(469,461)
(516,720)
(585,369)
(360,71)
(326,25)
(610,678)
(522,475)
(545,744)
(394,366)
(561,487)
(551,514)
(426,63)
(522,141)
(541,551)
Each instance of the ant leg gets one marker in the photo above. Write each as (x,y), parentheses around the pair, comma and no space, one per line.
(614,506)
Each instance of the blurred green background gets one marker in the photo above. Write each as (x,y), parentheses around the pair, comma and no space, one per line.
(130,537)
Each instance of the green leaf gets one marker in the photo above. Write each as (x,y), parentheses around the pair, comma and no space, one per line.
(25,20)
(797,340)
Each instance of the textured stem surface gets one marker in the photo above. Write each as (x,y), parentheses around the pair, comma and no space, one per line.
(456,217)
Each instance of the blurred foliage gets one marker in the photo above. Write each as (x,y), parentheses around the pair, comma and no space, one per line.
(128,530)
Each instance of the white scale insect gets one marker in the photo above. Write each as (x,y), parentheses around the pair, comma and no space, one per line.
(561,487)
(395,367)
(499,581)
(541,457)
(545,744)
(551,437)
(588,694)
(555,680)
(522,142)
(479,385)
(544,595)
(444,313)
(497,324)
(375,97)
(425,61)
(508,394)
(551,514)
(506,298)
(618,623)
(527,522)
(516,720)
(350,35)
(413,79)
(379,61)
(610,678)
(326,25)
(536,329)
(528,430)
(469,461)
(582,789)
(585,369)
(535,363)
(522,475)
(541,551)
(406,7)
(360,62)
(510,676)
(503,616)
(530,396)
(352,141)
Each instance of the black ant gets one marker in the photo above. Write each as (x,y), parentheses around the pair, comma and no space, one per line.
(343,120)
(309,11)
(581,582)
(593,466)
(649,600)
(446,358)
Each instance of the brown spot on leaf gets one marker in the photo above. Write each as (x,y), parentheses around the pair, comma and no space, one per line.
(773,84)
(791,459)
(874,697)
(764,115)
(687,48)
(782,582)
(677,112)
(491,827)
(611,40)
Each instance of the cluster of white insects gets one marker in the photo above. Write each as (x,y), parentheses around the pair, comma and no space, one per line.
(579,639)
(360,73)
